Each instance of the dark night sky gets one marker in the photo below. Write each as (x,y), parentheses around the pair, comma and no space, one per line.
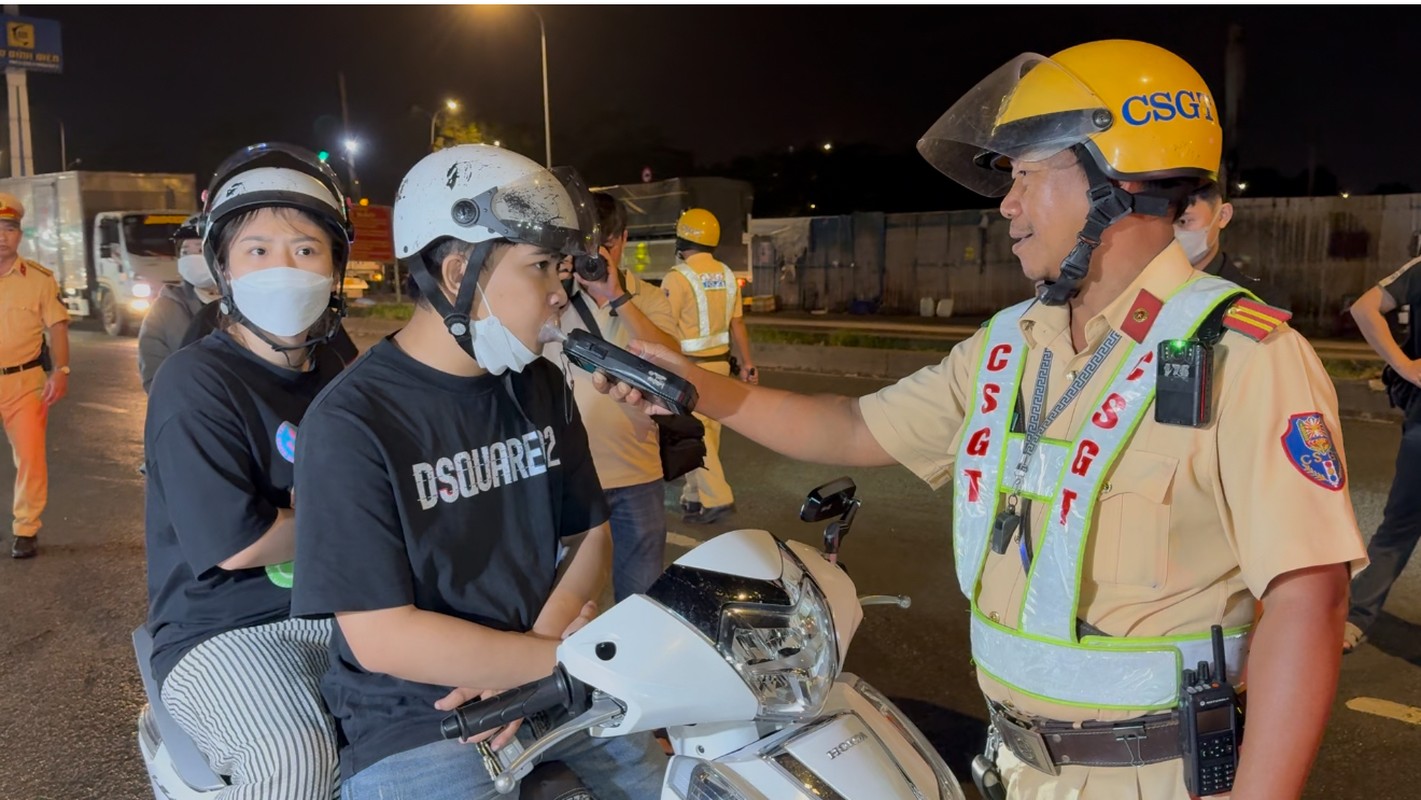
(176,88)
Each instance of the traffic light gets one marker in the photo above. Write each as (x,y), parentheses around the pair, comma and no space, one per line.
(323,156)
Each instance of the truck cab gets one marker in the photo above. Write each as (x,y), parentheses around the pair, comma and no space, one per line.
(134,257)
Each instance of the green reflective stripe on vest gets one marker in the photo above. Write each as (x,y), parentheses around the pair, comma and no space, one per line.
(1042,658)
(1125,673)
(1053,585)
(979,465)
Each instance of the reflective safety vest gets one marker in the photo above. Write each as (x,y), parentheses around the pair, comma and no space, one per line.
(1043,655)
(701,283)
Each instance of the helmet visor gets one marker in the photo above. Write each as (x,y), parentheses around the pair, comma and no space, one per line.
(1029,110)
(549,208)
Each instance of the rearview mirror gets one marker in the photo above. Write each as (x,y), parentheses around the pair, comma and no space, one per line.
(832,499)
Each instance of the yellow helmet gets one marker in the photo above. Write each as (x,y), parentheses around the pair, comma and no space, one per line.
(699,226)
(1140,111)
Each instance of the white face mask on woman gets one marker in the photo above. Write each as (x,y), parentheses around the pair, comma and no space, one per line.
(284,301)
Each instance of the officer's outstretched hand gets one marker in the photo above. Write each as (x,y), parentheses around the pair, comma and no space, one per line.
(660,355)
(55,388)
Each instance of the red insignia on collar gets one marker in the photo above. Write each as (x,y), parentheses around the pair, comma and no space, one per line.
(1141,316)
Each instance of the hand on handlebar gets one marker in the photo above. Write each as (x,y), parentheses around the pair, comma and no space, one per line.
(586,615)
(461,695)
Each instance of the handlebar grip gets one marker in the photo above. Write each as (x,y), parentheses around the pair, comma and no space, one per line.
(556,690)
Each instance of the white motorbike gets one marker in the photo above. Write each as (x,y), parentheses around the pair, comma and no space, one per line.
(736,651)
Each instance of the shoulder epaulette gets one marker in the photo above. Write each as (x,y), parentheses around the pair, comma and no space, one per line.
(1253,319)
(38,267)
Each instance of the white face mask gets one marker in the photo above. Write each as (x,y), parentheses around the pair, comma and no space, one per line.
(282,300)
(193,269)
(1196,243)
(496,348)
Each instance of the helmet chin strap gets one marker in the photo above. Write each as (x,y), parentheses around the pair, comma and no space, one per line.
(1109,203)
(457,321)
(335,312)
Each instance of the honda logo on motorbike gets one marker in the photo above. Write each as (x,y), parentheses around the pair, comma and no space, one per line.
(847,745)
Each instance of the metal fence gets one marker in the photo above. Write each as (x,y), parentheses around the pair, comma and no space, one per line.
(1314,255)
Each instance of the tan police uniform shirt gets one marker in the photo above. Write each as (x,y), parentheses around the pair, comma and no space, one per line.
(29,303)
(625,445)
(683,303)
(1191,524)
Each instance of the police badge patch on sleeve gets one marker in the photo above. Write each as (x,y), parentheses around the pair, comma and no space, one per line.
(1309,446)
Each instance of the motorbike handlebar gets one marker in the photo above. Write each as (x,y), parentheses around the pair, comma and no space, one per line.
(558,690)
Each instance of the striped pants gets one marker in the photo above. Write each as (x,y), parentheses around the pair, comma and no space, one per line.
(251,701)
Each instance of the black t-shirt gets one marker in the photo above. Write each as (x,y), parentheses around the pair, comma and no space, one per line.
(208,319)
(1404,286)
(446,493)
(1224,267)
(218,420)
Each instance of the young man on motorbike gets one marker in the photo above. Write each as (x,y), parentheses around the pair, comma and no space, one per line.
(440,478)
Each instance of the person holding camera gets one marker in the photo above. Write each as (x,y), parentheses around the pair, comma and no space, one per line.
(625,443)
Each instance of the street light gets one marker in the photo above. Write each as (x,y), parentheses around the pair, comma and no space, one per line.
(450,106)
(351,147)
(547,119)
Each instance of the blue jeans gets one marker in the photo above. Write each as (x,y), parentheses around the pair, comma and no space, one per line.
(638,537)
(621,768)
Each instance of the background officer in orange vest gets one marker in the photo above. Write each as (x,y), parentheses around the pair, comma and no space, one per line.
(705,303)
(29,306)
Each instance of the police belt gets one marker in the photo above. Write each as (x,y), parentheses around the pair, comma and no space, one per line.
(38,362)
(723,357)
(1049,745)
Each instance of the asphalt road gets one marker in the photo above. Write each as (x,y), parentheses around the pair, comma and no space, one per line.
(69,690)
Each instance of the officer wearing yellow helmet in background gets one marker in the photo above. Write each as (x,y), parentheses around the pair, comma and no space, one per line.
(29,306)
(705,303)
(1135,455)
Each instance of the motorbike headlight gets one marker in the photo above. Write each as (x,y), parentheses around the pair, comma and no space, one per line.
(142,290)
(786,654)
(948,786)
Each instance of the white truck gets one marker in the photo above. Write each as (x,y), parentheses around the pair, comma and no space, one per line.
(653,209)
(107,236)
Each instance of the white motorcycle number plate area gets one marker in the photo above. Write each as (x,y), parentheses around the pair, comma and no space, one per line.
(849,756)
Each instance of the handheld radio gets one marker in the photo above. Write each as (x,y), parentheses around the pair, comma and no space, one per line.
(1210,724)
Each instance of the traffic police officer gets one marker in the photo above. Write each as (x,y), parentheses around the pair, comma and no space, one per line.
(705,303)
(29,306)
(1097,533)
